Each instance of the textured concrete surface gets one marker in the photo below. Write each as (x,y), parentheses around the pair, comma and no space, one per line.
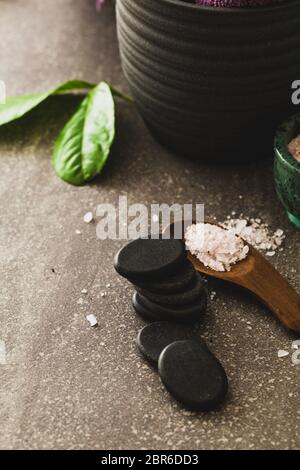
(66,385)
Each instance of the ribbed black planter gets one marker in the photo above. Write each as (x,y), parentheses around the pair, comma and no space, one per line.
(211,83)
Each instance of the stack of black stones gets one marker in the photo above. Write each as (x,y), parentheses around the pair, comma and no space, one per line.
(169,293)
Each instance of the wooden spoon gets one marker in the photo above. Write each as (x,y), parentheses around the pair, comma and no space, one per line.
(258,276)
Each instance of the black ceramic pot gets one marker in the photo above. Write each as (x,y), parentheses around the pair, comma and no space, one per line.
(212,83)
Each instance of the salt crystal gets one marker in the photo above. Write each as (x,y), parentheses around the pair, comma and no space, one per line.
(215,247)
(256,233)
(103,294)
(296,344)
(294,148)
(88,217)
(77,232)
(219,255)
(270,253)
(92,320)
(84,291)
(282,353)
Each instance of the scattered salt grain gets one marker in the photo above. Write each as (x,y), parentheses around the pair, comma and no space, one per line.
(88,217)
(214,246)
(278,233)
(270,253)
(92,320)
(296,344)
(103,294)
(84,291)
(282,353)
(108,285)
(77,232)
(213,295)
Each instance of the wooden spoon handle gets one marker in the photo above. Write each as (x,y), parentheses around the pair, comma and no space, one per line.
(275,292)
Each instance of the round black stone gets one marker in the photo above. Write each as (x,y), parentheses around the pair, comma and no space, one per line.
(187,296)
(153,338)
(193,375)
(177,282)
(180,314)
(149,259)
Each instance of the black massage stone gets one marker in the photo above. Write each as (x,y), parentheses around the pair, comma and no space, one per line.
(179,314)
(176,283)
(188,296)
(193,375)
(145,313)
(149,259)
(153,338)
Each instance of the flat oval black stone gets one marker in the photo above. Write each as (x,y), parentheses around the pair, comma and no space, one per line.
(193,375)
(175,283)
(153,338)
(147,258)
(187,296)
(145,313)
(180,314)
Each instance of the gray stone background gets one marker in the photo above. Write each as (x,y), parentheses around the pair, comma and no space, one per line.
(66,385)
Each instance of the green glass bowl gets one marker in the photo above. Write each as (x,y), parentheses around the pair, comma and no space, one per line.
(287,169)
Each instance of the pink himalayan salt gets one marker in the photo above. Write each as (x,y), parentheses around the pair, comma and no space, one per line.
(256,233)
(216,247)
(294,148)
(220,247)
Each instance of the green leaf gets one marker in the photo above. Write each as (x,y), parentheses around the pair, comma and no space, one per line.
(83,146)
(17,107)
